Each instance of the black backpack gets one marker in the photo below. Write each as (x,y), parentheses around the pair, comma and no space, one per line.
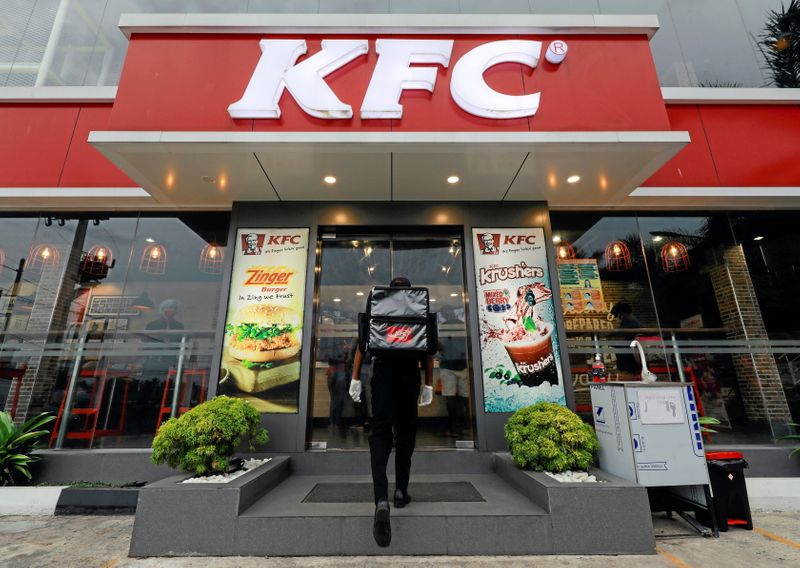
(398,320)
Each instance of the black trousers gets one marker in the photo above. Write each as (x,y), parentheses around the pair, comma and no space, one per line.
(395,390)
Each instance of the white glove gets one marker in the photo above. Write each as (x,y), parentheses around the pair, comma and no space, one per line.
(355,390)
(426,396)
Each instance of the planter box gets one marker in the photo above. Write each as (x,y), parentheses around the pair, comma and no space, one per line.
(197,519)
(29,500)
(97,501)
(588,518)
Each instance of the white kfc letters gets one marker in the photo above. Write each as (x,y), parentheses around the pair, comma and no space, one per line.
(392,73)
(277,69)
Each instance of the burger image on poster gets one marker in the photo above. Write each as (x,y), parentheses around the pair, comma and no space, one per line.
(263,342)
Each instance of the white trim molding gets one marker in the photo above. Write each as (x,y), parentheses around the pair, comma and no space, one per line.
(729,96)
(73,192)
(716,192)
(450,24)
(395,139)
(57,94)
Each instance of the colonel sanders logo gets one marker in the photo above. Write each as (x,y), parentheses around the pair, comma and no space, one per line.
(489,243)
(252,243)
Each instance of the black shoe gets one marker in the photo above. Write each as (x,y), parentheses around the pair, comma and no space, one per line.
(401,499)
(382,528)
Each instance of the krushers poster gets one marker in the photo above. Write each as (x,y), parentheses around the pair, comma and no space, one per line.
(520,353)
(263,326)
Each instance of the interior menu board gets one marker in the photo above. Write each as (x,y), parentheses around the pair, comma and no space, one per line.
(263,326)
(519,344)
(581,288)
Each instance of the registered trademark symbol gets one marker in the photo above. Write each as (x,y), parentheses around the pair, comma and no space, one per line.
(556,51)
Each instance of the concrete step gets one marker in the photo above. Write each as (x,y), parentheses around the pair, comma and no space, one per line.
(505,522)
(357,462)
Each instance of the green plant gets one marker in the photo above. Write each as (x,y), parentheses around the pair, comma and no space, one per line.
(779,44)
(793,437)
(17,443)
(203,440)
(549,437)
(708,421)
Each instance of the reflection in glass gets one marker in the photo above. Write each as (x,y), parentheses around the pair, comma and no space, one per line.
(110,350)
(688,297)
(349,267)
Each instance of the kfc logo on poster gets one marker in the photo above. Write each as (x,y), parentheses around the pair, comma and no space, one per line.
(399,334)
(489,243)
(284,240)
(253,243)
(519,240)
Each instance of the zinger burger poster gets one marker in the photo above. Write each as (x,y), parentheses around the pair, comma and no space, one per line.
(263,326)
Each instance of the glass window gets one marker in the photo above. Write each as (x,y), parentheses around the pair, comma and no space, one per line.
(702,297)
(768,242)
(758,17)
(605,296)
(104,317)
(707,311)
(715,44)
(666,48)
(349,267)
(18,289)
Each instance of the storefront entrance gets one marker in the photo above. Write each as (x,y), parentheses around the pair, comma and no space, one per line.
(349,264)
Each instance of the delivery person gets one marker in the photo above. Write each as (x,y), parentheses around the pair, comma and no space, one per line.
(395,394)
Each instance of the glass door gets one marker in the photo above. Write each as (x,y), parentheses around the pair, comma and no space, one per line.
(349,265)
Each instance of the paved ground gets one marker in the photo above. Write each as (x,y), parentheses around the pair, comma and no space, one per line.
(102,542)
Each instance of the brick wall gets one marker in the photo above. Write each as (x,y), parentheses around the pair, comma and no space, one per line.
(49,315)
(757,374)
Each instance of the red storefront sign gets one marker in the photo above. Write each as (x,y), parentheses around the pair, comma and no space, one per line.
(189,82)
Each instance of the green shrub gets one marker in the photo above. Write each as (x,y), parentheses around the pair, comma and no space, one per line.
(16,445)
(203,440)
(549,437)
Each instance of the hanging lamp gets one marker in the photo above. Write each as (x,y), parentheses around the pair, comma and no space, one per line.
(675,257)
(211,259)
(97,261)
(618,257)
(43,257)
(154,259)
(565,251)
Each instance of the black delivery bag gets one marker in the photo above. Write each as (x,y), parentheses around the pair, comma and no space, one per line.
(398,320)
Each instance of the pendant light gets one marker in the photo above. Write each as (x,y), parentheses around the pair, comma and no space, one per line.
(618,257)
(675,257)
(211,259)
(154,259)
(97,261)
(143,302)
(565,251)
(43,257)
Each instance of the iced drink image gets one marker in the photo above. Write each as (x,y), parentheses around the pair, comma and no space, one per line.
(534,359)
(527,338)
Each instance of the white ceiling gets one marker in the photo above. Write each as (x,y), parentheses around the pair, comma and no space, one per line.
(266,166)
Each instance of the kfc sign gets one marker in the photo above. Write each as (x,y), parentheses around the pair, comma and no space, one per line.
(399,334)
(277,70)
